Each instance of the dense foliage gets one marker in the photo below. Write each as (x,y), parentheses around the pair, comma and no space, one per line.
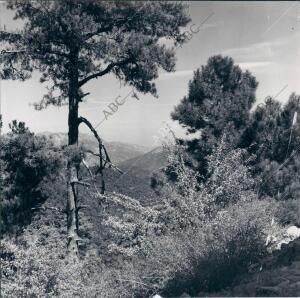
(72,42)
(201,237)
(28,164)
(273,136)
(188,243)
(219,100)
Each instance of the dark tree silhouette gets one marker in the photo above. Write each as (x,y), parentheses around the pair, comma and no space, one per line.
(27,163)
(273,137)
(219,100)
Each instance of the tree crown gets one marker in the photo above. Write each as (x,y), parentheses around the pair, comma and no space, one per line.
(219,93)
(89,39)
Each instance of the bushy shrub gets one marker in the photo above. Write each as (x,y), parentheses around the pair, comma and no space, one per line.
(29,270)
(204,257)
(209,233)
(180,207)
(236,238)
(229,179)
(199,238)
(37,267)
(28,162)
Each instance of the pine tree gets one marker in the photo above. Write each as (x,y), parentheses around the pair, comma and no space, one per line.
(73,42)
(219,100)
(273,137)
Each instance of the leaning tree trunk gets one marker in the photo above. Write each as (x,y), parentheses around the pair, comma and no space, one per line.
(72,210)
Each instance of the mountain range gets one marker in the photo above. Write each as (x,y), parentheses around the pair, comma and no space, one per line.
(137,163)
(136,178)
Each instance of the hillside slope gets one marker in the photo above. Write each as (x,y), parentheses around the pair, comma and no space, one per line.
(137,163)
(136,178)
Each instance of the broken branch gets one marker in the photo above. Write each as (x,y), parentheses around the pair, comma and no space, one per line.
(90,126)
(79,182)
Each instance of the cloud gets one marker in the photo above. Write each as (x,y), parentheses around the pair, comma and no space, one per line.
(262,55)
(195,28)
(256,51)
(262,51)
(189,31)
(255,65)
(250,65)
(173,75)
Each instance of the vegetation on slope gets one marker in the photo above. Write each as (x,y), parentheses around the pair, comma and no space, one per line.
(209,232)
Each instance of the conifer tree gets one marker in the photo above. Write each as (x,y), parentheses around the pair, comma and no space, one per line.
(219,100)
(71,42)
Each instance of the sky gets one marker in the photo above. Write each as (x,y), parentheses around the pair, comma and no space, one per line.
(262,37)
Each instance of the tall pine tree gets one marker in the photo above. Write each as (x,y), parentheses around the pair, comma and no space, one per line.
(71,42)
(219,100)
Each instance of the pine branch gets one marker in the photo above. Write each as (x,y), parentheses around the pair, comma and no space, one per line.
(104,71)
(24,51)
(13,52)
(116,23)
(90,126)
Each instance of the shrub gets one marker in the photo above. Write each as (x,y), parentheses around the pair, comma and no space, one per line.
(37,268)
(205,257)
(27,163)
(209,233)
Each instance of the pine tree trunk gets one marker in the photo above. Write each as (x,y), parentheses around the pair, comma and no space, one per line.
(72,211)
(72,220)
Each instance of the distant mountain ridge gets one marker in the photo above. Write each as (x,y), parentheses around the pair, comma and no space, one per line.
(117,151)
(145,165)
(136,178)
(138,163)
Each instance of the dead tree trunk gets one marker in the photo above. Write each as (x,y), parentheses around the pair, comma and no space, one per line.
(73,166)
(72,215)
